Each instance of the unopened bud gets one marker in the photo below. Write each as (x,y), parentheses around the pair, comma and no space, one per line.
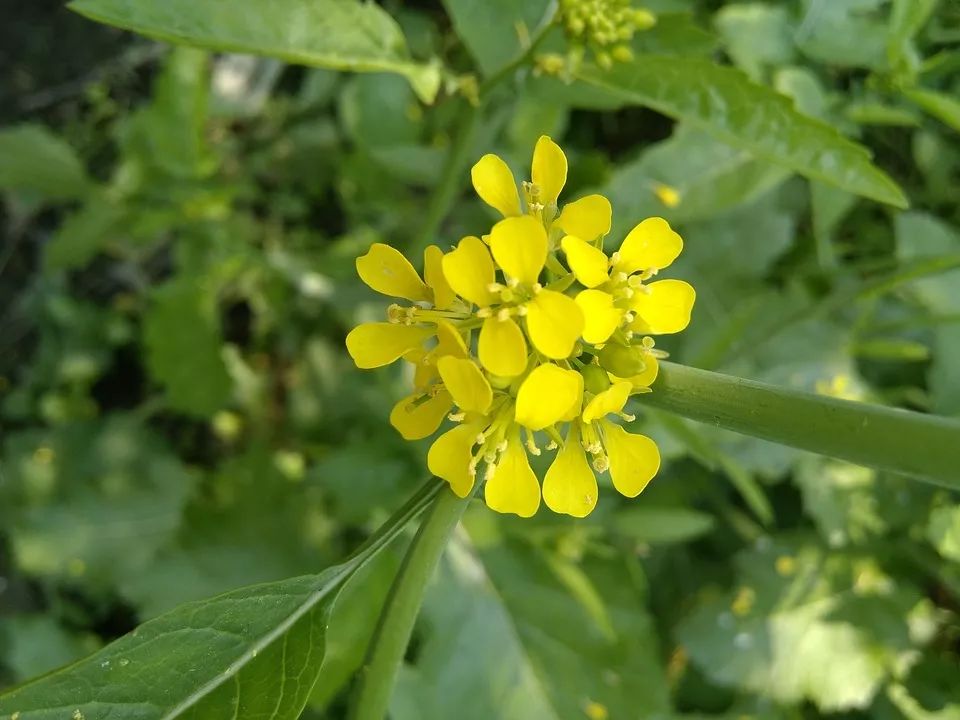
(622,360)
(595,379)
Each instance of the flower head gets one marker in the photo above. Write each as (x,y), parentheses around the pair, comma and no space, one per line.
(530,338)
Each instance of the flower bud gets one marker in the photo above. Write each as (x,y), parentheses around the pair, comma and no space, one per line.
(595,379)
(622,360)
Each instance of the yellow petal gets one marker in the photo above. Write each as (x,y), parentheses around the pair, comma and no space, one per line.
(570,487)
(634,459)
(449,341)
(519,245)
(589,264)
(502,347)
(646,378)
(433,273)
(513,487)
(587,218)
(651,244)
(466,383)
(547,395)
(449,458)
(609,401)
(387,271)
(495,185)
(663,308)
(373,345)
(554,322)
(549,171)
(469,271)
(416,418)
(600,317)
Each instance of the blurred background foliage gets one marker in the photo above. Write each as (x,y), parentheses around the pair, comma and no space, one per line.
(178,416)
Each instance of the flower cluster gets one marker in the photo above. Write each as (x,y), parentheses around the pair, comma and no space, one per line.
(606,27)
(529,338)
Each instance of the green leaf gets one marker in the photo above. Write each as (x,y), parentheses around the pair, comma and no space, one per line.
(803,623)
(84,491)
(251,653)
(183,347)
(652,524)
(339,34)
(84,233)
(497,32)
(944,531)
(756,35)
(36,160)
(907,18)
(529,637)
(944,108)
(711,177)
(827,27)
(725,104)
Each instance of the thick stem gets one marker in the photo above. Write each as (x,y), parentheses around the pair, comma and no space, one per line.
(390,640)
(921,446)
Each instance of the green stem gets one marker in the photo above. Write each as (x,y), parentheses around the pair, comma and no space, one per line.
(454,170)
(392,635)
(921,446)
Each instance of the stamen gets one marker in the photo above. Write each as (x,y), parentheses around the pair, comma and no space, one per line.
(531,444)
(513,282)
(627,416)
(537,287)
(457,417)
(620,277)
(484,312)
(494,287)
(503,314)
(615,258)
(521,310)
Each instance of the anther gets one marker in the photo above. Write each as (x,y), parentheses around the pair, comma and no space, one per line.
(484,312)
(503,314)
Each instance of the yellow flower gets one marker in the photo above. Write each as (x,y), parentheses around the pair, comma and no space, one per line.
(548,362)
(617,290)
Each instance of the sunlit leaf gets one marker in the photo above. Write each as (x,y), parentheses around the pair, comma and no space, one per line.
(724,103)
(338,34)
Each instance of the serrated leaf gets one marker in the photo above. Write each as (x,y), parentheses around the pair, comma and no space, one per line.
(252,653)
(183,348)
(725,104)
(338,34)
(35,160)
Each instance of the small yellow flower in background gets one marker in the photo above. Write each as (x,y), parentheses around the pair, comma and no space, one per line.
(668,195)
(527,338)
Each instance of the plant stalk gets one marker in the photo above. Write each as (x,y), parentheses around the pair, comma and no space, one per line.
(925,447)
(390,640)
